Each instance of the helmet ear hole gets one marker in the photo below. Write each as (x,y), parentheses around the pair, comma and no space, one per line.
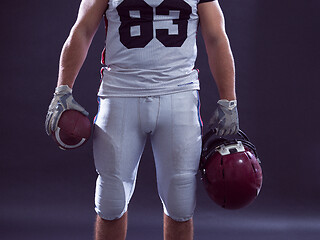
(254,169)
(231,172)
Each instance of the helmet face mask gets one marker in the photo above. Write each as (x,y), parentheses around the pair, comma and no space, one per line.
(231,170)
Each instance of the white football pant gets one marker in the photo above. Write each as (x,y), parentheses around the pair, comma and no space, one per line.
(120,132)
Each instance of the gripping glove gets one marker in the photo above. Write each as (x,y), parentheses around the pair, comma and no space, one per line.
(62,101)
(224,120)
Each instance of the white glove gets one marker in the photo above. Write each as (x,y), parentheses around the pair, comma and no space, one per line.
(224,120)
(62,101)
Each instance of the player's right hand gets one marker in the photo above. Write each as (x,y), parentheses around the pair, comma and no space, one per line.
(62,101)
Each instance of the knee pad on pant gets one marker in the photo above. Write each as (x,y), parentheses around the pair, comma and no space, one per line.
(111,201)
(180,201)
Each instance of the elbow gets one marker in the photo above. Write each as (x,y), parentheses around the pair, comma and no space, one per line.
(81,33)
(214,40)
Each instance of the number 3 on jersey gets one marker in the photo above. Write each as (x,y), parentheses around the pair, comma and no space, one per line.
(138,15)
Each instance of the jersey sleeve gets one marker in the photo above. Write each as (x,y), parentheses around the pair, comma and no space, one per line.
(203,1)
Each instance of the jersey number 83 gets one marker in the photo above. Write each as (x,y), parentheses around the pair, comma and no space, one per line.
(139,15)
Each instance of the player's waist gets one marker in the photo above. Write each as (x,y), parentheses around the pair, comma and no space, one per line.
(146,83)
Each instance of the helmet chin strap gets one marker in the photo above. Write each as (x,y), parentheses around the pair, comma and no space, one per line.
(212,143)
(230,148)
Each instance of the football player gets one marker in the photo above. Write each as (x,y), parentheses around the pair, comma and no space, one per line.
(149,87)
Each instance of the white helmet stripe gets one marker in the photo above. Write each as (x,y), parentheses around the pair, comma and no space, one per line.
(66,146)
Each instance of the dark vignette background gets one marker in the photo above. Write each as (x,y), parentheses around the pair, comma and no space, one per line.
(47,193)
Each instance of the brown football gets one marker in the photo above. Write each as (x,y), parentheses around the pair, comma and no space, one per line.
(73,130)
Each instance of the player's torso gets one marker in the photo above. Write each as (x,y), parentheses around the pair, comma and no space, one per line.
(152,39)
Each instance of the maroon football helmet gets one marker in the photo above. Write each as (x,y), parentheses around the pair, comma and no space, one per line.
(231,170)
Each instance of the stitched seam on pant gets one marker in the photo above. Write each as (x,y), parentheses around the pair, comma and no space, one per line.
(123,126)
(158,114)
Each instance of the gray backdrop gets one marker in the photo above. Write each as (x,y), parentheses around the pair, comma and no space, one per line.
(47,193)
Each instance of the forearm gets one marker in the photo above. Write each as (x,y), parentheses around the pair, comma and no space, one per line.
(221,63)
(72,57)
(218,48)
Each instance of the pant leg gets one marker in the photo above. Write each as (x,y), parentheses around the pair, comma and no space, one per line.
(176,144)
(118,143)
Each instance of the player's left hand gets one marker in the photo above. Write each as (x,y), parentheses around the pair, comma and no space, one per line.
(224,120)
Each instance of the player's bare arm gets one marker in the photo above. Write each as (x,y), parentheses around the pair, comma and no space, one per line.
(218,48)
(224,120)
(73,54)
(76,47)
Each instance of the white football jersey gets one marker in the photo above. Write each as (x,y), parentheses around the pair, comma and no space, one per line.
(150,47)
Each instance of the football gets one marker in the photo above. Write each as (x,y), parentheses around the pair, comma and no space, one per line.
(73,130)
